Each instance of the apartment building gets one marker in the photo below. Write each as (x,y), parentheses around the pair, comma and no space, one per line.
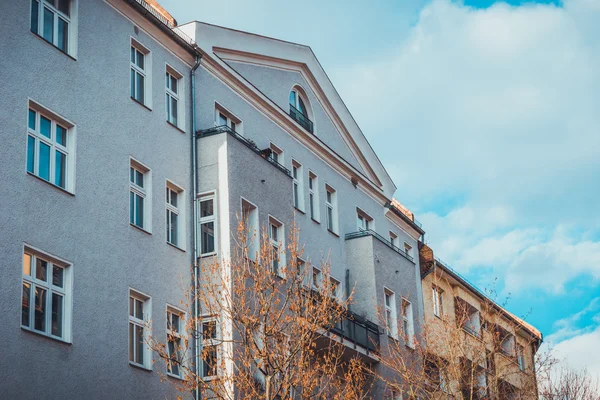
(131,147)
(475,346)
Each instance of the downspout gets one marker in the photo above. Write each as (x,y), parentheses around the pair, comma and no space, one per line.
(195,274)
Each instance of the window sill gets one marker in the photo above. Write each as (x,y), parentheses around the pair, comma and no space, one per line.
(51,184)
(174,126)
(52,44)
(43,334)
(140,103)
(139,366)
(179,378)
(208,255)
(315,221)
(176,247)
(299,210)
(333,233)
(438,317)
(140,229)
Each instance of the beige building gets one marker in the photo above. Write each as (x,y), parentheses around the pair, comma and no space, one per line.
(476,349)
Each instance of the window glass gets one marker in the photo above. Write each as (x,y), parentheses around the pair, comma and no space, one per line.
(57,276)
(27,264)
(31,120)
(63,35)
(40,309)
(48,25)
(45,125)
(35,9)
(41,270)
(60,167)
(206,208)
(57,314)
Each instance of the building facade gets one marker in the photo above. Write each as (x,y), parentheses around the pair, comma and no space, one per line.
(132,147)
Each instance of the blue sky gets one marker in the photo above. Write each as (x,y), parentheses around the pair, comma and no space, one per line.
(486,115)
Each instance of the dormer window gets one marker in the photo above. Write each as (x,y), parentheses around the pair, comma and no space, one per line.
(298,110)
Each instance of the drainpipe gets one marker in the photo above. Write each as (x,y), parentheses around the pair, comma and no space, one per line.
(195,274)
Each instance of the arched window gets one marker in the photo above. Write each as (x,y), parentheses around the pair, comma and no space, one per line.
(298,110)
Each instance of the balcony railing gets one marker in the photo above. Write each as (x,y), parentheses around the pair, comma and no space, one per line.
(358,330)
(302,119)
(369,232)
(245,141)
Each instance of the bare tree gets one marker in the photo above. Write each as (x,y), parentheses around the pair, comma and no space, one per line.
(560,381)
(264,323)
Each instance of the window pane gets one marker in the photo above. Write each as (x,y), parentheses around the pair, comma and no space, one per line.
(60,167)
(63,35)
(45,125)
(58,276)
(140,87)
(131,207)
(139,178)
(139,59)
(301,107)
(31,120)
(131,305)
(40,309)
(171,364)
(175,322)
(173,84)
(139,309)
(25,304)
(27,264)
(44,162)
(174,110)
(139,211)
(173,224)
(206,208)
(222,119)
(139,349)
(208,237)
(173,198)
(210,361)
(57,315)
(48,25)
(63,6)
(132,76)
(131,342)
(41,268)
(31,154)
(61,135)
(168,103)
(35,9)
(132,55)
(293,98)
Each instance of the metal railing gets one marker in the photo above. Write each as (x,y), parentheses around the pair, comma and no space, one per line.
(358,330)
(302,119)
(165,21)
(247,142)
(369,232)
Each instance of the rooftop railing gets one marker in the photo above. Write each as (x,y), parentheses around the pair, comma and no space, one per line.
(245,141)
(358,330)
(164,20)
(369,232)
(302,119)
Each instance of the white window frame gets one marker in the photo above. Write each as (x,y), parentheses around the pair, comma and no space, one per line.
(438,302)
(252,227)
(364,222)
(180,336)
(210,196)
(408,329)
(277,154)
(146,72)
(71,21)
(144,324)
(336,288)
(394,239)
(277,245)
(35,137)
(33,255)
(178,95)
(211,342)
(313,196)
(144,192)
(316,278)
(231,121)
(390,312)
(408,250)
(297,185)
(331,205)
(178,210)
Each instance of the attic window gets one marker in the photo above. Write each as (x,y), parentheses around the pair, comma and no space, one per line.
(298,110)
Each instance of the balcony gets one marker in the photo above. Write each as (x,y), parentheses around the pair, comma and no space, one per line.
(301,119)
(358,330)
(369,232)
(246,142)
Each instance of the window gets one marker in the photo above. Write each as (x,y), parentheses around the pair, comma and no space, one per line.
(276,154)
(521,357)
(225,118)
(277,246)
(363,220)
(298,185)
(408,250)
(139,317)
(141,67)
(313,196)
(390,313)
(437,301)
(298,110)
(331,206)
(209,347)
(46,302)
(140,199)
(175,341)
(207,225)
(394,239)
(468,317)
(407,322)
(175,206)
(53,21)
(317,278)
(174,97)
(336,288)
(50,147)
(250,219)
